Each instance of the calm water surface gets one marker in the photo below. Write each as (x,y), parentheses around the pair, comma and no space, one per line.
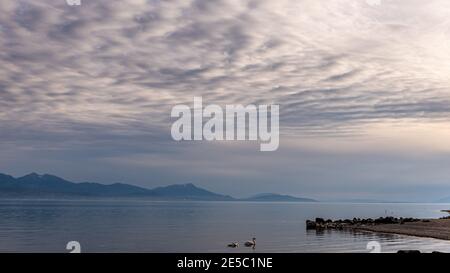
(141,226)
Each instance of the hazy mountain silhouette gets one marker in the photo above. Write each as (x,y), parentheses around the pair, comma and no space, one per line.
(180,191)
(272,197)
(49,186)
(46,186)
(443,200)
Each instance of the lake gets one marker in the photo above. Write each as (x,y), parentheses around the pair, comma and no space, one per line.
(147,226)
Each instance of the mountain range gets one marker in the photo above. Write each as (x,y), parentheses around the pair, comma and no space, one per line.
(444,200)
(272,197)
(49,186)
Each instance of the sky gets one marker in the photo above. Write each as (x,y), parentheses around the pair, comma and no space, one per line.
(363,87)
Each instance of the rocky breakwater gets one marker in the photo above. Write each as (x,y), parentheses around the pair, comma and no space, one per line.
(320,223)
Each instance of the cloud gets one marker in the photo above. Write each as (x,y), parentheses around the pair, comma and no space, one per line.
(103,76)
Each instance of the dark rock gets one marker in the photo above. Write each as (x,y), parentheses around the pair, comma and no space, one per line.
(408,252)
(340,224)
(310,224)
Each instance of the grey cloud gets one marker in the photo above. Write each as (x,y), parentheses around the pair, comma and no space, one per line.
(100,58)
(104,76)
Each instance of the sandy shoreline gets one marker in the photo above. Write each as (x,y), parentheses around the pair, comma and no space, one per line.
(432,228)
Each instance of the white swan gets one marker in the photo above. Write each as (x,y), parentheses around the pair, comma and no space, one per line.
(251,243)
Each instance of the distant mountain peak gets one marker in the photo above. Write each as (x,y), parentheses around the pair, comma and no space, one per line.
(265,195)
(32,175)
(6,176)
(35,177)
(180,185)
(186,185)
(278,198)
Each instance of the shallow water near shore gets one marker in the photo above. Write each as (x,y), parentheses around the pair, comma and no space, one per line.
(145,226)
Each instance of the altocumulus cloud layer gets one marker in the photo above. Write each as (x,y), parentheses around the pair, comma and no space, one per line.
(363,88)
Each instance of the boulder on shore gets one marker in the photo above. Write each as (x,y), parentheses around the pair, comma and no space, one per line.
(320,223)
